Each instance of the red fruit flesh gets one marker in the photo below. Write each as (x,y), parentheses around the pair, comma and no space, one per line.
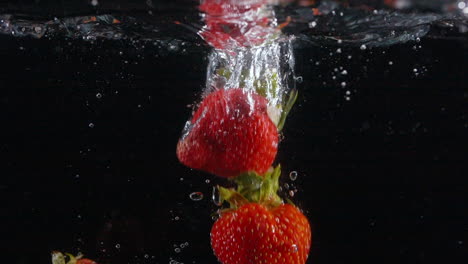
(230,133)
(255,234)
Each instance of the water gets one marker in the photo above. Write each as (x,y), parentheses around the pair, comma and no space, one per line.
(381,159)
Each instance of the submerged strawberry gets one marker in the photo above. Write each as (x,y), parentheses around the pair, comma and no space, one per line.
(259,228)
(230,133)
(67,258)
(255,234)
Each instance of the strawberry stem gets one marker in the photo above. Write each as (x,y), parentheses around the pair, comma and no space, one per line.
(253,188)
(287,108)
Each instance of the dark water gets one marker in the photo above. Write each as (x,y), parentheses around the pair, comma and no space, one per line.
(89,129)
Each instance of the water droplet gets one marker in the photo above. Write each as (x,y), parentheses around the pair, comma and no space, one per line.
(390,63)
(293,175)
(312,24)
(94,2)
(98,95)
(348,92)
(91,125)
(363,47)
(338,50)
(215,196)
(207,181)
(415,70)
(196,196)
(344,72)
(291,193)
(181,179)
(294,248)
(286,186)
(117,246)
(343,84)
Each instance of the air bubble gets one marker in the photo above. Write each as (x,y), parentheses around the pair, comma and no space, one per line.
(91,125)
(363,47)
(177,250)
(98,95)
(343,84)
(215,197)
(293,175)
(291,193)
(196,196)
(117,246)
(312,24)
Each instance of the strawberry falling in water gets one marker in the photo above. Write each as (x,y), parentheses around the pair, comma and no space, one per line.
(230,133)
(234,133)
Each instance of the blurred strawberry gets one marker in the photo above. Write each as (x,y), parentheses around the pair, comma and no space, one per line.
(230,133)
(229,7)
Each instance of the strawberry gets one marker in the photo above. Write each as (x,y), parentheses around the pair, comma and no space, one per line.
(255,234)
(259,228)
(85,261)
(229,7)
(223,34)
(235,23)
(67,258)
(230,133)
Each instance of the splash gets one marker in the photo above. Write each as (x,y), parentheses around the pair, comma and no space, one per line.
(250,52)
(324,23)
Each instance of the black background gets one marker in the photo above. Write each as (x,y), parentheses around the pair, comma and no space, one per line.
(382,177)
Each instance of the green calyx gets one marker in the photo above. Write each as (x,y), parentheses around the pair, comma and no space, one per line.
(253,188)
(268,87)
(59,258)
(287,108)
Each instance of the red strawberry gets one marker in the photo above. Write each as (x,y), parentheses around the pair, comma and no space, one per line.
(229,7)
(256,234)
(230,133)
(259,228)
(85,261)
(223,34)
